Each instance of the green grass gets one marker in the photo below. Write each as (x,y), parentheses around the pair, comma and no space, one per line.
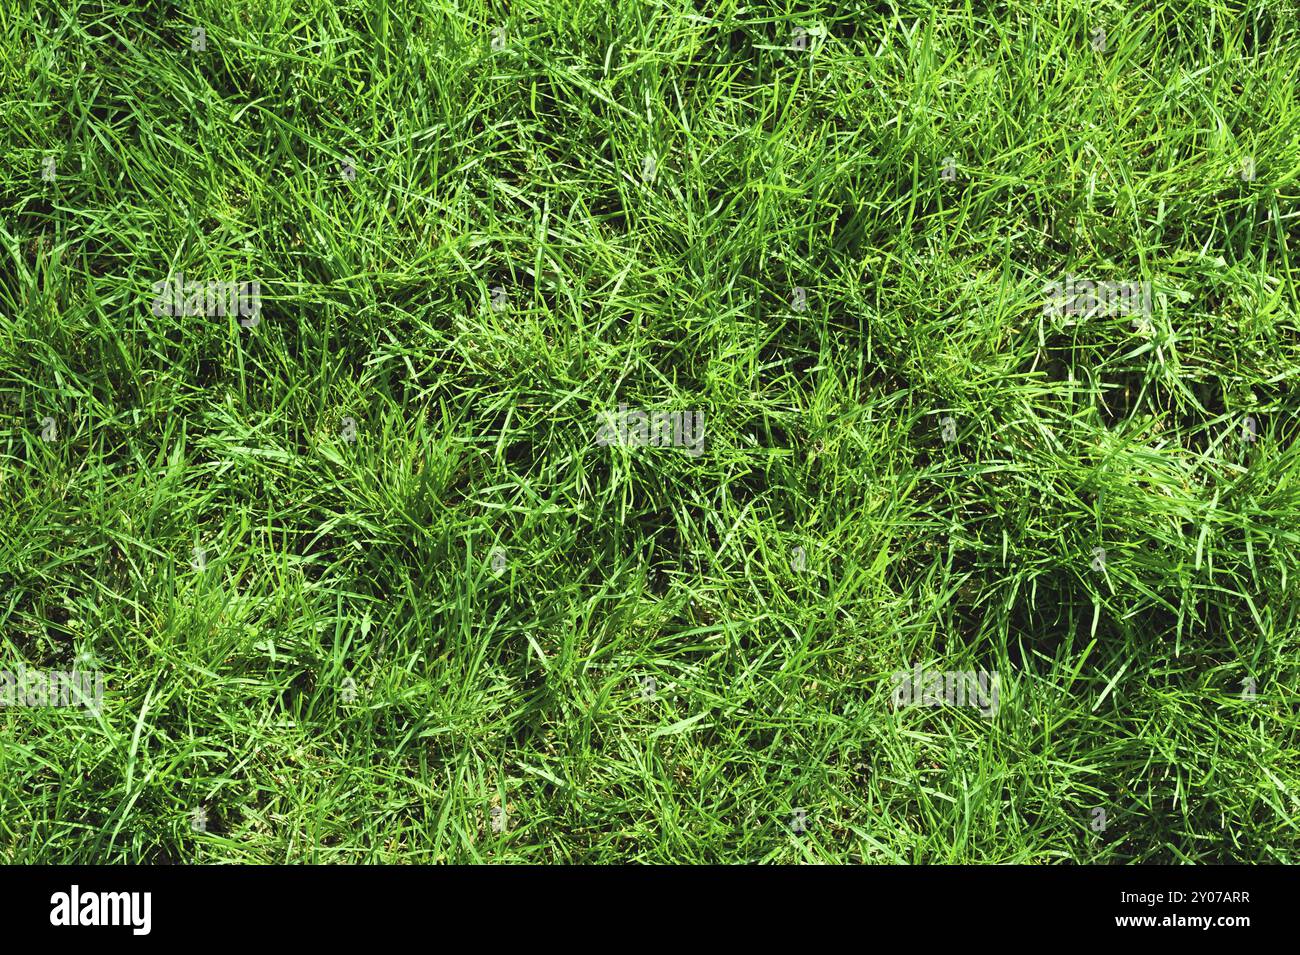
(347,678)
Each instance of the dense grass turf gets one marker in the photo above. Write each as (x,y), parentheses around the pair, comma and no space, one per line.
(326,640)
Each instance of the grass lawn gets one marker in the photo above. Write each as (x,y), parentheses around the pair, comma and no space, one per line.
(577,431)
